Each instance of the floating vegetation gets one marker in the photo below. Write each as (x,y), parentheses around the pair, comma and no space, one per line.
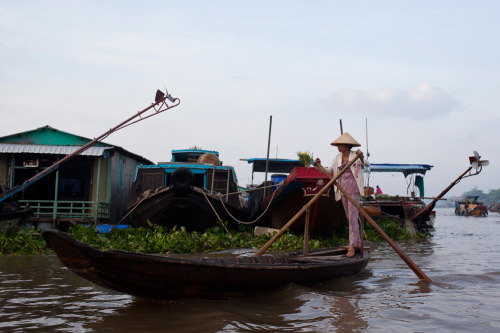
(157,239)
(22,242)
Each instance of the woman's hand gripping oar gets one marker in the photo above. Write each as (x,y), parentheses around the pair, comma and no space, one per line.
(396,248)
(306,206)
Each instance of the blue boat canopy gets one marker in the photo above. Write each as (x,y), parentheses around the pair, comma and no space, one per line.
(190,155)
(406,169)
(275,165)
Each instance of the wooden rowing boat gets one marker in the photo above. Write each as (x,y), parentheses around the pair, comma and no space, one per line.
(168,277)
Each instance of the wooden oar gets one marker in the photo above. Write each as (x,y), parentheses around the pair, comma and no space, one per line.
(306,206)
(396,248)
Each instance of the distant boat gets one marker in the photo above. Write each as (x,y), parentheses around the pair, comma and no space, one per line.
(401,208)
(470,207)
(201,276)
(290,188)
(494,207)
(194,191)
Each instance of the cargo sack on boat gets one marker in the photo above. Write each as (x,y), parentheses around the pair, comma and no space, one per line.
(209,158)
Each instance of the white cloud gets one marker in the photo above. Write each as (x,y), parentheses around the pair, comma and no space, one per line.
(420,103)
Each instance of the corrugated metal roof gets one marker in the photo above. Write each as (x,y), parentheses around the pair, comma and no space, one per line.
(47,149)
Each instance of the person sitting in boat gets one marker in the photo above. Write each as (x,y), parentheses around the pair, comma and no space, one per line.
(351,181)
(378,191)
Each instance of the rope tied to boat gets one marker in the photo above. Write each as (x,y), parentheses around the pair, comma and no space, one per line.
(251,222)
(213,208)
(231,215)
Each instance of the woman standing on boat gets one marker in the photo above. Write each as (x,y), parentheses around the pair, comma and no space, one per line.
(351,181)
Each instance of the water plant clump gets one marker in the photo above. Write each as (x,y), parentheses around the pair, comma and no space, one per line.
(22,242)
(157,239)
(177,240)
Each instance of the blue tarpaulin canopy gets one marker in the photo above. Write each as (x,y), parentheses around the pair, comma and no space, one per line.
(406,169)
(274,165)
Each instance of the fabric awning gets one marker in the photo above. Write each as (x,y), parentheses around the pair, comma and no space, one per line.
(406,169)
(275,165)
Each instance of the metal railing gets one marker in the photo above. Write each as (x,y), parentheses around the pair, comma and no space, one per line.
(90,210)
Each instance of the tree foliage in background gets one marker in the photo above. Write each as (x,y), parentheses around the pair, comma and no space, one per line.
(493,196)
(490,197)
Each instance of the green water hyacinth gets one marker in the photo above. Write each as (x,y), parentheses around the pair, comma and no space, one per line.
(157,239)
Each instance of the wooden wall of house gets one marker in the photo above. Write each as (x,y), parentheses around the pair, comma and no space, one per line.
(4,167)
(122,177)
(102,178)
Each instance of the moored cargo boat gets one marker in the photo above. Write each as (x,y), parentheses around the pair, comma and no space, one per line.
(278,200)
(194,191)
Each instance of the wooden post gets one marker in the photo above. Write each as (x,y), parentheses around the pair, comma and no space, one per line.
(361,232)
(305,250)
(227,183)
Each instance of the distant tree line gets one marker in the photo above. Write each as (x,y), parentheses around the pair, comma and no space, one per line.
(493,196)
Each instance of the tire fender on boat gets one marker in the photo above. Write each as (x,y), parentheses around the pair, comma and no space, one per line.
(182,180)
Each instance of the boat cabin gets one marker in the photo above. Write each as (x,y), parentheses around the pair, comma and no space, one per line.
(401,208)
(413,174)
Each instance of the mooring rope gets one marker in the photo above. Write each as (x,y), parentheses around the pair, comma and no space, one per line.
(251,222)
(213,208)
(231,215)
(249,190)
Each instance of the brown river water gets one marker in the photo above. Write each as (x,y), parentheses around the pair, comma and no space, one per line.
(37,294)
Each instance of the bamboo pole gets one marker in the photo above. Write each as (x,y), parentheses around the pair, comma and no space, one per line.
(396,248)
(306,206)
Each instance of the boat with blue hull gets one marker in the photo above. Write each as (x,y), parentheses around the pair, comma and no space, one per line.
(194,191)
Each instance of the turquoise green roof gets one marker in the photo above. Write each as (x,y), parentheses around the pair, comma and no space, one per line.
(48,136)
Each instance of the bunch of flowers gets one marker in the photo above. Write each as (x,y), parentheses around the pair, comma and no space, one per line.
(305,158)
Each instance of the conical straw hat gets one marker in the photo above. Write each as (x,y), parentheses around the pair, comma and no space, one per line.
(345,139)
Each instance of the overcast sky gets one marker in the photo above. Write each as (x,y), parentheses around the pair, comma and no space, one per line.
(424,76)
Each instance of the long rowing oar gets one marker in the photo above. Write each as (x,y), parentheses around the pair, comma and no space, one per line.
(306,206)
(396,248)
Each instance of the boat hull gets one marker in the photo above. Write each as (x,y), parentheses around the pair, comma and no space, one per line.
(327,215)
(12,217)
(401,209)
(299,187)
(195,210)
(161,276)
(470,208)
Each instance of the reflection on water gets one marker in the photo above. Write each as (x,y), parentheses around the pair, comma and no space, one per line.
(38,294)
